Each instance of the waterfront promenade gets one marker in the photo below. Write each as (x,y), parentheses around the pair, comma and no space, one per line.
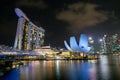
(34,56)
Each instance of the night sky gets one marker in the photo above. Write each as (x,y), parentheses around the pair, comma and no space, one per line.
(61,18)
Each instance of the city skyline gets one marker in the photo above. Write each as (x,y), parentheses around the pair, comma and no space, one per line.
(61,19)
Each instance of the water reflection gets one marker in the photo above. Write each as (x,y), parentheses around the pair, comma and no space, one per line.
(58,69)
(78,71)
(106,68)
(103,68)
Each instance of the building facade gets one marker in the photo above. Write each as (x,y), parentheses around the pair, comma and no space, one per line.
(28,35)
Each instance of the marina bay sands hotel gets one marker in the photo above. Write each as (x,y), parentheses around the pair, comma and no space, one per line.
(28,35)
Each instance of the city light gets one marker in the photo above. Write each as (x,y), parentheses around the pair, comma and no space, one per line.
(100,40)
(90,38)
(91,41)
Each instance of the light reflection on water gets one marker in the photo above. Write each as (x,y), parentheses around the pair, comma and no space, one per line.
(106,68)
(103,68)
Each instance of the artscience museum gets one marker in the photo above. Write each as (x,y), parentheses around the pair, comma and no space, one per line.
(75,47)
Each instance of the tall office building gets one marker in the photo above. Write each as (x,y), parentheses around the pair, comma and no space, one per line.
(112,44)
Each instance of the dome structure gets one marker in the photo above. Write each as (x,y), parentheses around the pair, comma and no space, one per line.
(81,47)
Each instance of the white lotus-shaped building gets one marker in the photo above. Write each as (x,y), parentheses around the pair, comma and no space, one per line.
(81,47)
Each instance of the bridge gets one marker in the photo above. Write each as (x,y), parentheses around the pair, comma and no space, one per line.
(28,35)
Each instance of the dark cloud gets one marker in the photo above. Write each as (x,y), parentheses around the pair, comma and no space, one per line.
(81,15)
